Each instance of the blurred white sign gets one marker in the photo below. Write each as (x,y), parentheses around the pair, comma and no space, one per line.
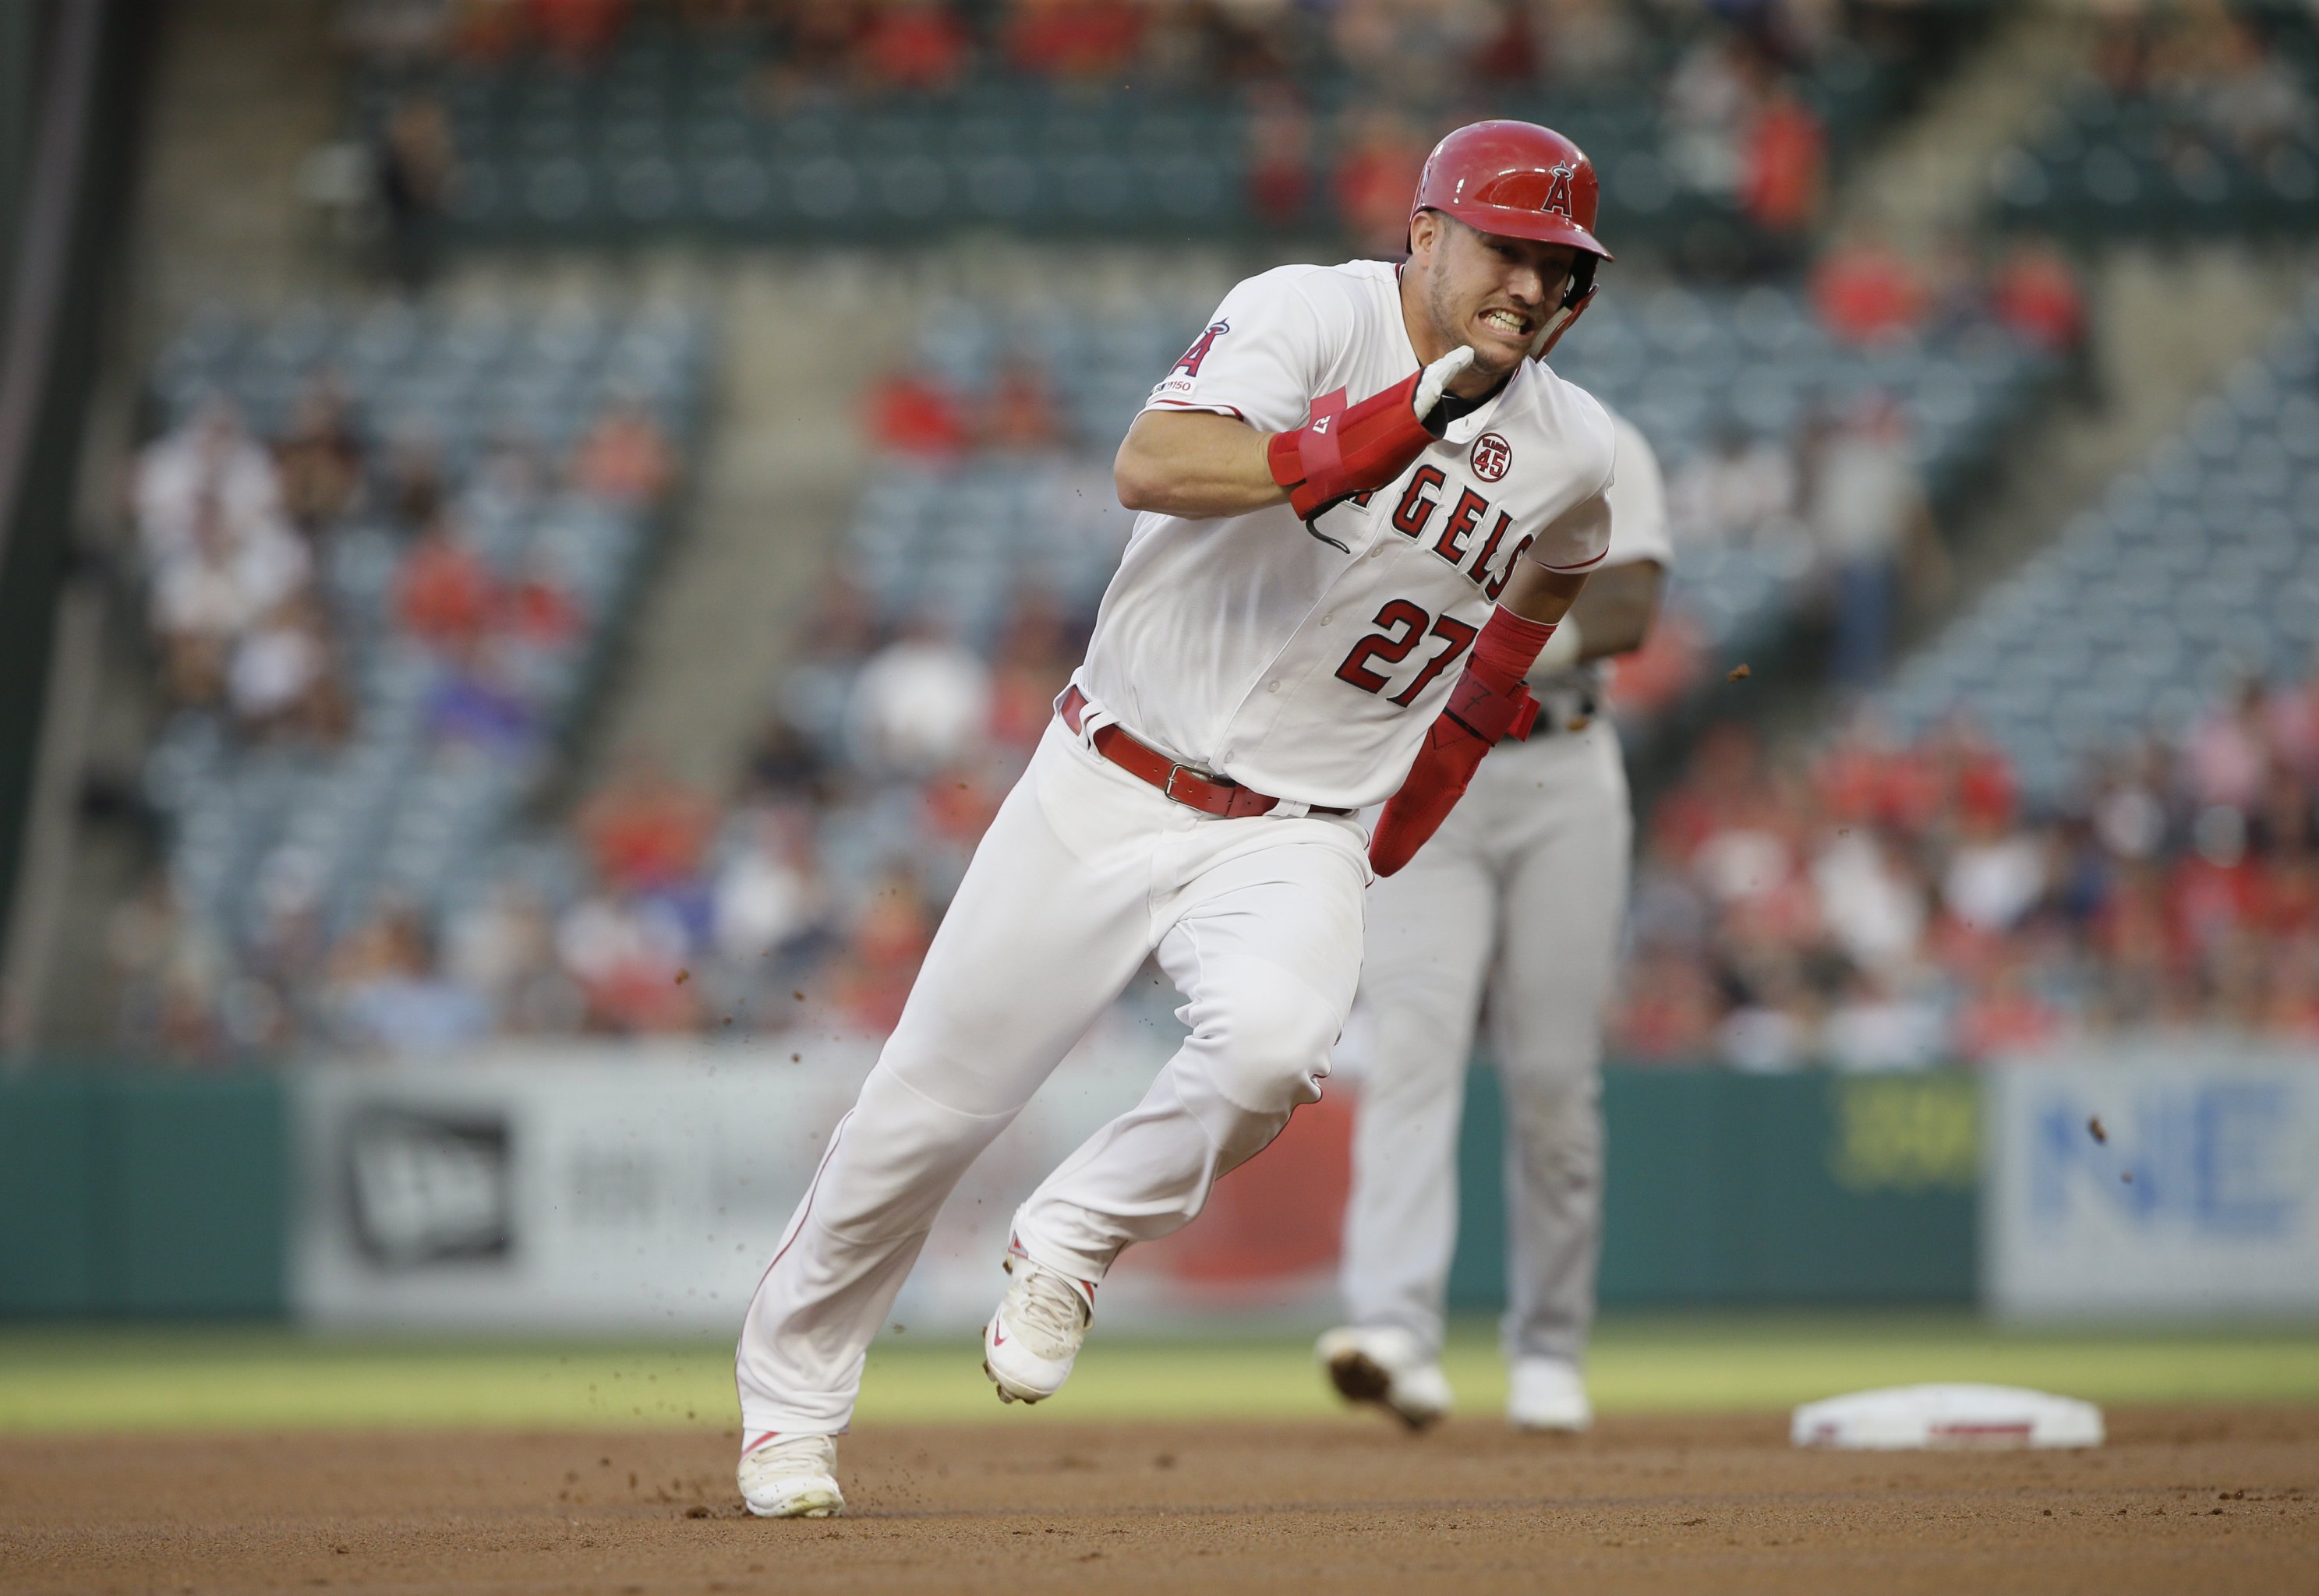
(624,1187)
(2173,1180)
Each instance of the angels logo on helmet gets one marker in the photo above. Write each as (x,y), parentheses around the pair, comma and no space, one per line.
(1557,195)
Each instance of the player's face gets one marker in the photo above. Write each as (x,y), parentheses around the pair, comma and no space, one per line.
(1491,292)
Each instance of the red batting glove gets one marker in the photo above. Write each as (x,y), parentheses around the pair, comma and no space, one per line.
(1342,452)
(1488,705)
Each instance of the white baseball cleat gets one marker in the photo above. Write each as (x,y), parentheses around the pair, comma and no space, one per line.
(1385,1364)
(792,1477)
(1549,1394)
(1030,1343)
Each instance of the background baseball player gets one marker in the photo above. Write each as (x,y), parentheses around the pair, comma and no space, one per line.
(1514,908)
(1363,506)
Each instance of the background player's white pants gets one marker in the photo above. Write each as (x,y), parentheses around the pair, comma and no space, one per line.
(1084,871)
(1523,889)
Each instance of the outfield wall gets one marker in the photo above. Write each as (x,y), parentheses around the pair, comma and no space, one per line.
(634,1189)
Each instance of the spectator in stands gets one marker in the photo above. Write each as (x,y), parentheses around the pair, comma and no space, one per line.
(212,593)
(630,956)
(1254,43)
(1088,41)
(482,30)
(1182,48)
(319,460)
(770,901)
(625,457)
(1017,416)
(786,766)
(1279,157)
(414,492)
(537,609)
(502,949)
(1376,174)
(444,594)
(1782,186)
(1867,510)
(645,830)
(385,995)
(1514,50)
(1742,482)
(884,946)
(1592,40)
(1879,1025)
(915,45)
(2035,294)
(396,34)
(1029,669)
(1996,872)
(841,633)
(912,415)
(578,31)
(920,703)
(1709,103)
(415,164)
(811,59)
(1866,291)
(282,679)
(209,466)
(2239,89)
(1413,55)
(472,705)
(2229,756)
(2037,930)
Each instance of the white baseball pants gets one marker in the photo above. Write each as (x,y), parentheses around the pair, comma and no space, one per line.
(1522,891)
(1085,872)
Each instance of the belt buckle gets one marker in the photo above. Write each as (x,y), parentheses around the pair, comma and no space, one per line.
(1168,788)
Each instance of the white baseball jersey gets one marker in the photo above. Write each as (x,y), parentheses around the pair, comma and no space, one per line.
(1309,665)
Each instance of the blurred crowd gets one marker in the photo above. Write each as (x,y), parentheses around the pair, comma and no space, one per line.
(1419,49)
(275,571)
(1343,99)
(1879,907)
(2221,73)
(804,896)
(804,900)
(235,532)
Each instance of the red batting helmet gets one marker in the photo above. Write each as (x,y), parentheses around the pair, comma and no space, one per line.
(1521,181)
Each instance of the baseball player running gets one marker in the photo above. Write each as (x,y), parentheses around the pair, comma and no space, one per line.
(1520,897)
(1363,508)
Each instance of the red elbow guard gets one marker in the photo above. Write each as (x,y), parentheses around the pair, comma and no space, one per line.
(1342,452)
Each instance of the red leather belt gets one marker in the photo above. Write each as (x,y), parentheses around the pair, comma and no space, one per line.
(1196,790)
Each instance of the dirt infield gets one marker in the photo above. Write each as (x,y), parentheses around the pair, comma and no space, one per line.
(2221,1500)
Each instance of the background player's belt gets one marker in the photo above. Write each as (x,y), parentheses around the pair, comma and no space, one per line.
(1196,790)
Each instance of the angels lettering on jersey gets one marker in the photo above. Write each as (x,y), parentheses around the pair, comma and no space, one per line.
(1309,667)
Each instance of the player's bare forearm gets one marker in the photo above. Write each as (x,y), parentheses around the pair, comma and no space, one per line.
(1537,591)
(1537,594)
(1620,605)
(1197,465)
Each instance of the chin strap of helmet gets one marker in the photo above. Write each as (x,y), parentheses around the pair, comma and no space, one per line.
(1576,298)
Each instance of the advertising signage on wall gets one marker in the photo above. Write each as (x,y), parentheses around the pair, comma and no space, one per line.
(2175,1180)
(625,1188)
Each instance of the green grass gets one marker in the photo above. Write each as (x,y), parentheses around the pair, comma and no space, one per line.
(210,1377)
